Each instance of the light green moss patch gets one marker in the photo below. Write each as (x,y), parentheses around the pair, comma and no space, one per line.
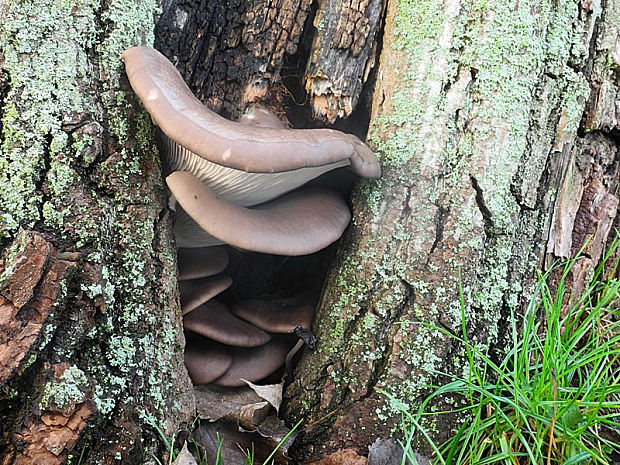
(52,134)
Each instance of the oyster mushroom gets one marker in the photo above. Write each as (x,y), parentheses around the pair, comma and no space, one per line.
(256,364)
(196,292)
(214,320)
(197,263)
(298,223)
(206,360)
(277,316)
(255,149)
(234,184)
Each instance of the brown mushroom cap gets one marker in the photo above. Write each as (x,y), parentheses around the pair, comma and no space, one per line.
(254,365)
(213,320)
(277,316)
(206,360)
(184,119)
(201,262)
(299,223)
(196,292)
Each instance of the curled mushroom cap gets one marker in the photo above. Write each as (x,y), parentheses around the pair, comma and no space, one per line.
(201,263)
(254,365)
(299,223)
(236,186)
(184,119)
(277,316)
(213,320)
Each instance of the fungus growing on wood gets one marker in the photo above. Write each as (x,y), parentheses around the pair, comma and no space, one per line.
(255,149)
(298,223)
(205,360)
(196,292)
(214,320)
(238,183)
(197,263)
(254,365)
(278,316)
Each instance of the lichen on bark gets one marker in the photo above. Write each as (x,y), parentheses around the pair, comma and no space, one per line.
(466,116)
(79,165)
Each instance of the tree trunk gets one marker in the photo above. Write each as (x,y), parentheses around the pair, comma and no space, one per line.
(495,122)
(90,339)
(491,169)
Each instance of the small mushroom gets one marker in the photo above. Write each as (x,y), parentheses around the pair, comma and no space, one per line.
(205,360)
(254,365)
(298,223)
(277,316)
(214,320)
(196,292)
(203,262)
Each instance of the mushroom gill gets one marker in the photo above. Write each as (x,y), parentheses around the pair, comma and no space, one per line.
(240,184)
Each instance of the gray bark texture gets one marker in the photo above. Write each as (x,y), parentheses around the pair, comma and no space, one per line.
(91,347)
(497,126)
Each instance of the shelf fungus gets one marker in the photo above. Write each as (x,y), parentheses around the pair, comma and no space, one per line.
(240,183)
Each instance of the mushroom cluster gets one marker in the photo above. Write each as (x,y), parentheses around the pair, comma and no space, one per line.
(240,183)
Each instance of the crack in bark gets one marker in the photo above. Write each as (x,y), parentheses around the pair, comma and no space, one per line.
(487,216)
(440,218)
(514,190)
(380,365)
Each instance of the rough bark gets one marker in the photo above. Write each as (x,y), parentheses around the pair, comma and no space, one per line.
(341,56)
(90,340)
(492,169)
(230,53)
(478,114)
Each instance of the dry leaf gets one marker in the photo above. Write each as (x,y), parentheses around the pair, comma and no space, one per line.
(272,393)
(242,405)
(185,457)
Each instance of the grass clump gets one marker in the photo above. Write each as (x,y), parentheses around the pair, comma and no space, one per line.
(555,395)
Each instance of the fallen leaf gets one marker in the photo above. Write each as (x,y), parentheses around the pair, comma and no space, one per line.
(272,393)
(235,444)
(242,405)
(185,457)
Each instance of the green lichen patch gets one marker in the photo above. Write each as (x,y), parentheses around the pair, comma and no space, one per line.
(45,69)
(78,160)
(69,388)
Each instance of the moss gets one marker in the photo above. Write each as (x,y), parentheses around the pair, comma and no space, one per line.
(47,85)
(111,210)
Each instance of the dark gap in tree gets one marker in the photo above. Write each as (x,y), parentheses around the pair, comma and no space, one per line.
(255,275)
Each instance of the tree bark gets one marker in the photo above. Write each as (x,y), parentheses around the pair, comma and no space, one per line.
(496,124)
(90,330)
